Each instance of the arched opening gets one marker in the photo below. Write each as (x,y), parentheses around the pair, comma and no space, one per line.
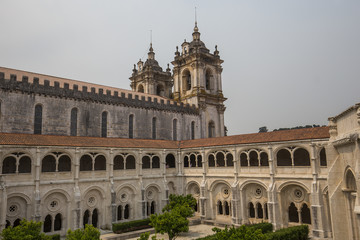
(85,163)
(73,122)
(64,164)
(145,162)
(186,161)
(130,162)
(192,130)
(301,157)
(243,160)
(283,158)
(47,223)
(119,212)
(187,80)
(118,162)
(211,129)
(220,208)
(305,214)
(208,79)
(160,90)
(131,126)
(199,161)
(220,161)
(211,160)
(293,213)
(94,218)
(86,217)
(57,222)
(104,116)
(25,165)
(254,161)
(192,160)
(16,222)
(140,88)
(175,129)
(127,211)
(155,162)
(38,119)
(9,165)
(259,209)
(48,164)
(8,224)
(152,207)
(251,210)
(227,208)
(323,161)
(350,195)
(153,128)
(266,211)
(229,160)
(100,163)
(264,160)
(170,161)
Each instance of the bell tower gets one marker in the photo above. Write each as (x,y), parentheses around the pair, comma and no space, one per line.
(149,77)
(197,80)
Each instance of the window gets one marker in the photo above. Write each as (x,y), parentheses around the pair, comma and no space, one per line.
(155,162)
(323,161)
(305,214)
(118,162)
(220,208)
(229,160)
(208,80)
(254,158)
(264,161)
(154,128)
(211,160)
(100,163)
(119,215)
(284,158)
(141,88)
(293,213)
(64,164)
(211,129)
(57,222)
(251,210)
(127,211)
(38,119)
(9,165)
(73,126)
(48,164)
(301,157)
(25,165)
(47,223)
(260,213)
(192,130)
(86,217)
(85,163)
(94,218)
(131,126)
(243,160)
(146,162)
(186,76)
(130,162)
(170,161)
(104,124)
(220,159)
(175,129)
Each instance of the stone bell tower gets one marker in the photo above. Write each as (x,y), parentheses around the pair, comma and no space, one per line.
(197,80)
(150,78)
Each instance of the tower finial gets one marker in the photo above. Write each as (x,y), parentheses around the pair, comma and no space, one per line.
(196,27)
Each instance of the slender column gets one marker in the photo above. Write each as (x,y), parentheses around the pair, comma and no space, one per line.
(112,191)
(166,188)
(140,174)
(180,166)
(244,209)
(37,186)
(235,202)
(77,194)
(203,187)
(3,203)
(273,204)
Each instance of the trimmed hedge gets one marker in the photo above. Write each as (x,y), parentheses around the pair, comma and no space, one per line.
(55,237)
(292,233)
(265,227)
(131,226)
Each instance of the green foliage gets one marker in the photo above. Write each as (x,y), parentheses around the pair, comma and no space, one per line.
(89,233)
(144,236)
(188,203)
(171,222)
(130,226)
(292,233)
(243,232)
(55,237)
(265,227)
(27,230)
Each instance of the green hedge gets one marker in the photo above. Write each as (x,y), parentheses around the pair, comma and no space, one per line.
(55,237)
(292,233)
(131,226)
(265,227)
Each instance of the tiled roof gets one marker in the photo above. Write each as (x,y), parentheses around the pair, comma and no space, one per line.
(51,140)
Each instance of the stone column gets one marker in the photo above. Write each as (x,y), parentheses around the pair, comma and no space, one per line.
(166,188)
(203,188)
(273,204)
(37,185)
(180,166)
(3,203)
(77,194)
(112,191)
(235,202)
(142,201)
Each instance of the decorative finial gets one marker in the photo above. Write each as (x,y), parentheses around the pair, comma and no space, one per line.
(196,27)
(216,52)
(177,51)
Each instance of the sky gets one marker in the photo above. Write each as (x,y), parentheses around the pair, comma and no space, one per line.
(286,63)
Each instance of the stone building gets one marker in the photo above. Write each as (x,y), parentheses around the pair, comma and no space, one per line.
(73,153)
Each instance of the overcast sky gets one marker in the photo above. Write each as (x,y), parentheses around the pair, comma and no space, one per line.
(287,63)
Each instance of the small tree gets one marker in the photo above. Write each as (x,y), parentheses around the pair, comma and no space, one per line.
(89,233)
(27,230)
(263,129)
(188,202)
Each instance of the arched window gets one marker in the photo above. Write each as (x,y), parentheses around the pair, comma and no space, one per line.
(254,161)
(170,161)
(100,163)
(192,130)
(266,211)
(227,208)
(220,208)
(57,222)
(130,162)
(119,213)
(192,160)
(229,160)
(47,223)
(152,207)
(48,164)
(64,164)
(86,217)
(9,165)
(264,160)
(251,210)
(211,129)
(94,218)
(175,129)
(301,157)
(208,80)
(160,90)
(259,210)
(104,124)
(293,213)
(199,161)
(220,162)
(323,161)
(73,122)
(154,128)
(243,160)
(86,163)
(141,88)
(118,162)
(305,214)
(127,211)
(186,161)
(131,126)
(211,160)
(25,165)
(155,162)
(8,224)
(283,158)
(16,222)
(38,119)
(146,162)
(187,80)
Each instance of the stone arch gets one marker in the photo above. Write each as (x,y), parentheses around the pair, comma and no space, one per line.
(186,79)
(189,185)
(140,88)
(153,185)
(160,90)
(91,188)
(216,182)
(17,207)
(57,190)
(293,182)
(21,195)
(125,185)
(248,182)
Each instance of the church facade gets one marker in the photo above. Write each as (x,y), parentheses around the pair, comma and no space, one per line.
(74,153)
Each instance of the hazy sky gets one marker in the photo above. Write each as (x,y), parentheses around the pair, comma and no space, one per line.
(287,63)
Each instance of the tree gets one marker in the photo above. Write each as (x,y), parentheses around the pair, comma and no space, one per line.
(89,233)
(188,202)
(27,230)
(263,129)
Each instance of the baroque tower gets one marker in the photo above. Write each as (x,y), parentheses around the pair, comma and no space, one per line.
(197,80)
(150,78)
